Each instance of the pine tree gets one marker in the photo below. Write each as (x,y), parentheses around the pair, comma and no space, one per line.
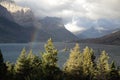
(113,73)
(50,55)
(49,61)
(22,67)
(103,66)
(3,68)
(73,66)
(10,71)
(88,63)
(35,66)
(1,57)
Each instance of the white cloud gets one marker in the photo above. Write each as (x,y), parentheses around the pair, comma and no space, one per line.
(73,26)
(93,9)
(103,9)
(66,9)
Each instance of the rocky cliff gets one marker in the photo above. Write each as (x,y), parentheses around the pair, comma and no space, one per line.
(21,15)
(4,13)
(16,30)
(56,29)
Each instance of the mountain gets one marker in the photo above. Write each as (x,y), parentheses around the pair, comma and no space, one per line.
(12,32)
(56,29)
(111,39)
(4,13)
(22,15)
(95,28)
(93,32)
(14,26)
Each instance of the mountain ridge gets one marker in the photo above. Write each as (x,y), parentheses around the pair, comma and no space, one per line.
(12,32)
(110,39)
(5,13)
(22,15)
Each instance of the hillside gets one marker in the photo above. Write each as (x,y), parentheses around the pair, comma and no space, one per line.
(4,13)
(111,39)
(22,15)
(56,29)
(43,29)
(94,33)
(12,32)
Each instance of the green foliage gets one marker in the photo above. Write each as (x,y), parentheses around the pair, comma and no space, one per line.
(73,66)
(103,66)
(10,71)
(113,73)
(72,62)
(1,57)
(50,55)
(3,68)
(49,62)
(28,66)
(79,66)
(88,63)
(22,66)
(35,72)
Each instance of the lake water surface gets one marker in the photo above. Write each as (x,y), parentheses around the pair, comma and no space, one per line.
(12,51)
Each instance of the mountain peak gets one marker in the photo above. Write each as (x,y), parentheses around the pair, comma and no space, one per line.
(22,15)
(53,22)
(7,1)
(12,7)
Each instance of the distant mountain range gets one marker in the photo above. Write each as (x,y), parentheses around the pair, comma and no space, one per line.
(110,39)
(92,32)
(20,26)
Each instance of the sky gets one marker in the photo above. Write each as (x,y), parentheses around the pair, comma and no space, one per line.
(78,14)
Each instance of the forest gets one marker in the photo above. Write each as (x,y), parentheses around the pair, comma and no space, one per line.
(81,65)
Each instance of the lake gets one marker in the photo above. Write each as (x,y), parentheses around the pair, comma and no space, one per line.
(11,51)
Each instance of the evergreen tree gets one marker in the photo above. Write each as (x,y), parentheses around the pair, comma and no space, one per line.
(22,66)
(49,62)
(88,63)
(50,55)
(113,73)
(35,66)
(3,68)
(10,71)
(1,58)
(103,66)
(73,66)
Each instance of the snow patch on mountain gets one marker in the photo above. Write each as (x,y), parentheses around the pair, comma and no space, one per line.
(22,15)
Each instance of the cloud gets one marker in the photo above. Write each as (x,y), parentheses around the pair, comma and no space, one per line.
(88,11)
(103,9)
(93,9)
(73,26)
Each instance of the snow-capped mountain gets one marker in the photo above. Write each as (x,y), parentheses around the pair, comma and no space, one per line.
(22,15)
(16,31)
(96,28)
